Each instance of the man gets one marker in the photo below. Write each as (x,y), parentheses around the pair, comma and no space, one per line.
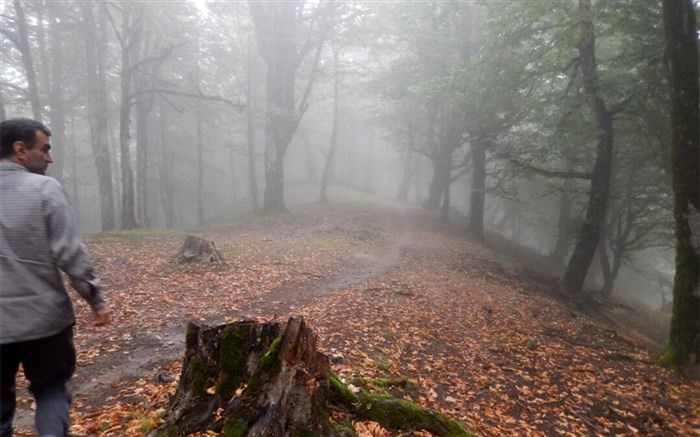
(38,236)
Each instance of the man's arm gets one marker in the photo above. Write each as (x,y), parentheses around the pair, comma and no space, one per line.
(69,252)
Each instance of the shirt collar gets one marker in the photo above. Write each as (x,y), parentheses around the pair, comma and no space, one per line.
(9,165)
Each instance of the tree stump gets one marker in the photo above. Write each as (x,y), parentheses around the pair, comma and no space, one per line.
(196,249)
(247,379)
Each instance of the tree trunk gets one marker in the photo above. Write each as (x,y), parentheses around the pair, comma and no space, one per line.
(142,140)
(277,29)
(325,179)
(144,80)
(200,167)
(129,35)
(309,158)
(589,233)
(56,96)
(445,209)
(606,269)
(280,54)
(478,195)
(250,131)
(232,164)
(97,110)
(27,61)
(441,166)
(166,173)
(74,171)
(561,246)
(682,62)
(409,166)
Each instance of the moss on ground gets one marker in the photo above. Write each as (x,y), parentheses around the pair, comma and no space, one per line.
(395,413)
(382,382)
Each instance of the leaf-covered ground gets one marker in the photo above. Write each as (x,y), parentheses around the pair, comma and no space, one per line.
(458,327)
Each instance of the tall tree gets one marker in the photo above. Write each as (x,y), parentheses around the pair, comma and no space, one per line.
(330,154)
(599,194)
(56,87)
(682,62)
(95,52)
(21,41)
(283,46)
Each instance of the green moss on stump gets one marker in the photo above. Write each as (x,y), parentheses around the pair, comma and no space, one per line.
(233,346)
(270,361)
(235,428)
(199,376)
(232,350)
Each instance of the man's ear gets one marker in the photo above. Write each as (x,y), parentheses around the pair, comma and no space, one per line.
(20,148)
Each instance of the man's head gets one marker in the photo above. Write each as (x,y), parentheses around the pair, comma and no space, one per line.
(26,142)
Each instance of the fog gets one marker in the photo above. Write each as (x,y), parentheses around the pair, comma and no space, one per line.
(191,114)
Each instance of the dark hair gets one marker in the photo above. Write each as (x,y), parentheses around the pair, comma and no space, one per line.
(19,129)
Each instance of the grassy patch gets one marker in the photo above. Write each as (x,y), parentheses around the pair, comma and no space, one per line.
(330,242)
(139,233)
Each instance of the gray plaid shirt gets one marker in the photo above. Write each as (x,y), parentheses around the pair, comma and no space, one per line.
(38,236)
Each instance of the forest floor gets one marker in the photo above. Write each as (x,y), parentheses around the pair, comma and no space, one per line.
(391,294)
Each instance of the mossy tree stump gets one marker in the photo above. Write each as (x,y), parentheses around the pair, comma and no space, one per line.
(196,249)
(247,379)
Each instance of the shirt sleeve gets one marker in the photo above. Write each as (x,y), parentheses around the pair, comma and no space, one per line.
(68,251)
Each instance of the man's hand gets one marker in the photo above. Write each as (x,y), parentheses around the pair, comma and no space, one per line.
(102,316)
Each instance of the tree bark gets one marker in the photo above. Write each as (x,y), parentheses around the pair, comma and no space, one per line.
(97,109)
(478,195)
(144,105)
(130,36)
(200,167)
(441,166)
(250,132)
(166,181)
(74,172)
(325,179)
(409,165)
(589,233)
(27,60)
(57,116)
(682,62)
(561,246)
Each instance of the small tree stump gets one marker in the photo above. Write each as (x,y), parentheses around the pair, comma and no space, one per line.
(245,379)
(196,249)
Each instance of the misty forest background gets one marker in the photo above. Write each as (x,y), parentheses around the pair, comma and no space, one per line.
(547,123)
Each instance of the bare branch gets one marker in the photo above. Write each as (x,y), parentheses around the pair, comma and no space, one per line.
(546,172)
(201,96)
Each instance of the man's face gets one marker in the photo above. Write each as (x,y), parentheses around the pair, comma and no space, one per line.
(37,158)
